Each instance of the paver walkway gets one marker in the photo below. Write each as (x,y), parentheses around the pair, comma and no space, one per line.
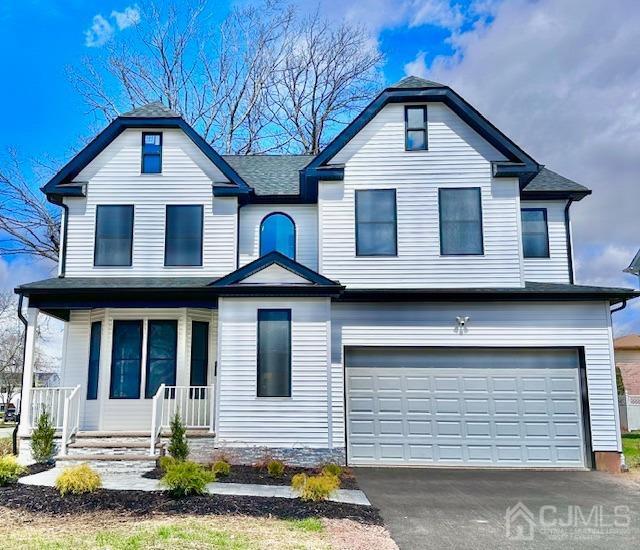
(134,482)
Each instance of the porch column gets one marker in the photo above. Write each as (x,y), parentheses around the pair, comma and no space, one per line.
(27,371)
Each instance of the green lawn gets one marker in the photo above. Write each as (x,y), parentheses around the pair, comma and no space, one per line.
(631,449)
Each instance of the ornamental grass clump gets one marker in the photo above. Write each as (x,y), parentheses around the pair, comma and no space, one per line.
(42,438)
(332,469)
(178,446)
(186,478)
(314,488)
(275,468)
(221,468)
(78,480)
(10,470)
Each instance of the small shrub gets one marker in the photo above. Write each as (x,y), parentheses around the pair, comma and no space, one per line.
(42,445)
(6,446)
(78,480)
(275,468)
(10,470)
(178,446)
(165,462)
(187,478)
(221,468)
(263,463)
(315,488)
(332,469)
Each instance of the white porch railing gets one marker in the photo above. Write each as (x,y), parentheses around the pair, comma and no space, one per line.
(71,419)
(51,400)
(194,404)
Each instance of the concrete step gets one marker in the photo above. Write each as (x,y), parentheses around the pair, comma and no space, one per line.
(110,464)
(110,443)
(193,433)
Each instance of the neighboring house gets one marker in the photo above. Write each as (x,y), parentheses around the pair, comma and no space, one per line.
(634,266)
(405,297)
(627,350)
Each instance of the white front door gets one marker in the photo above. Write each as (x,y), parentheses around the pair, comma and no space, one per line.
(457,407)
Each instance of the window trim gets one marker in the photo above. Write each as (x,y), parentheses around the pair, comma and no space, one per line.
(148,354)
(479,191)
(166,216)
(142,153)
(290,369)
(295,233)
(140,322)
(95,236)
(395,223)
(546,224)
(90,396)
(423,129)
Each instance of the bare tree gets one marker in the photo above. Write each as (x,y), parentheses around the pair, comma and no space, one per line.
(28,224)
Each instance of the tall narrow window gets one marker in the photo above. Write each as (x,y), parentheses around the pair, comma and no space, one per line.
(114,235)
(460,221)
(274,353)
(183,235)
(162,344)
(415,124)
(376,223)
(535,233)
(126,360)
(278,232)
(151,153)
(199,353)
(94,360)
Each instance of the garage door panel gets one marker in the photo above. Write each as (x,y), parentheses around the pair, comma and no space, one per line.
(467,414)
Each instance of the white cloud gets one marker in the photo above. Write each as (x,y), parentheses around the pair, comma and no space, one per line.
(99,33)
(125,19)
(435,12)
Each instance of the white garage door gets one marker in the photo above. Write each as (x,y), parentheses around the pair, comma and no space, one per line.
(464,407)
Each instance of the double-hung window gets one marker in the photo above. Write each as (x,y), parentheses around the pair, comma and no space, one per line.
(183,235)
(126,360)
(376,223)
(415,128)
(114,235)
(151,153)
(460,221)
(274,353)
(162,345)
(535,233)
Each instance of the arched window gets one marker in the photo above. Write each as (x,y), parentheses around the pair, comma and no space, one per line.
(278,232)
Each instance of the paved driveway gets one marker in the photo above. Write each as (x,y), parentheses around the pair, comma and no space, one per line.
(434,508)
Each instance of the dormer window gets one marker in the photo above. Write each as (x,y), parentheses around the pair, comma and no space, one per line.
(415,125)
(278,232)
(151,153)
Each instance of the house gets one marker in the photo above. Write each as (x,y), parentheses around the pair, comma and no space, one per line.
(627,350)
(405,297)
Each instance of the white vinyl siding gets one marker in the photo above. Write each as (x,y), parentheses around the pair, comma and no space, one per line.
(544,324)
(457,157)
(114,177)
(304,216)
(247,420)
(555,268)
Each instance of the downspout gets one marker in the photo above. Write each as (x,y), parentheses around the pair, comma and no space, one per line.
(621,307)
(24,321)
(567,226)
(65,225)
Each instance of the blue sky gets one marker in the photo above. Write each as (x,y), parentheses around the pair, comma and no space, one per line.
(560,78)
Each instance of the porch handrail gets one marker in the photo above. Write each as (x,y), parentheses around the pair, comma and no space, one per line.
(156,418)
(51,401)
(70,419)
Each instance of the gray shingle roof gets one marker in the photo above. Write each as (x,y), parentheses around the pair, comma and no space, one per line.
(416,82)
(270,174)
(548,180)
(155,109)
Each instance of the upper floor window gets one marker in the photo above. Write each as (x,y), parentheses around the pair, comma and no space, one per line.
(114,235)
(415,128)
(376,223)
(535,233)
(183,235)
(151,153)
(460,221)
(278,232)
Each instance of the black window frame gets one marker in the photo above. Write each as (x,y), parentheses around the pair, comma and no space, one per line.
(206,352)
(93,367)
(174,322)
(395,223)
(423,129)
(100,207)
(288,314)
(546,225)
(143,154)
(479,192)
(166,233)
(140,323)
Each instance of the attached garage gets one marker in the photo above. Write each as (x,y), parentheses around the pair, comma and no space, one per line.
(465,407)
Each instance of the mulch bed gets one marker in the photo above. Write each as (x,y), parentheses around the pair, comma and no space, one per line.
(37,468)
(47,500)
(259,476)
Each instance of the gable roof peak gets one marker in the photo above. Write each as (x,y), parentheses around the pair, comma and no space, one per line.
(155,109)
(412,81)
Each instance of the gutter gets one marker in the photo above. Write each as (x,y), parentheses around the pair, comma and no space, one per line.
(567,227)
(620,307)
